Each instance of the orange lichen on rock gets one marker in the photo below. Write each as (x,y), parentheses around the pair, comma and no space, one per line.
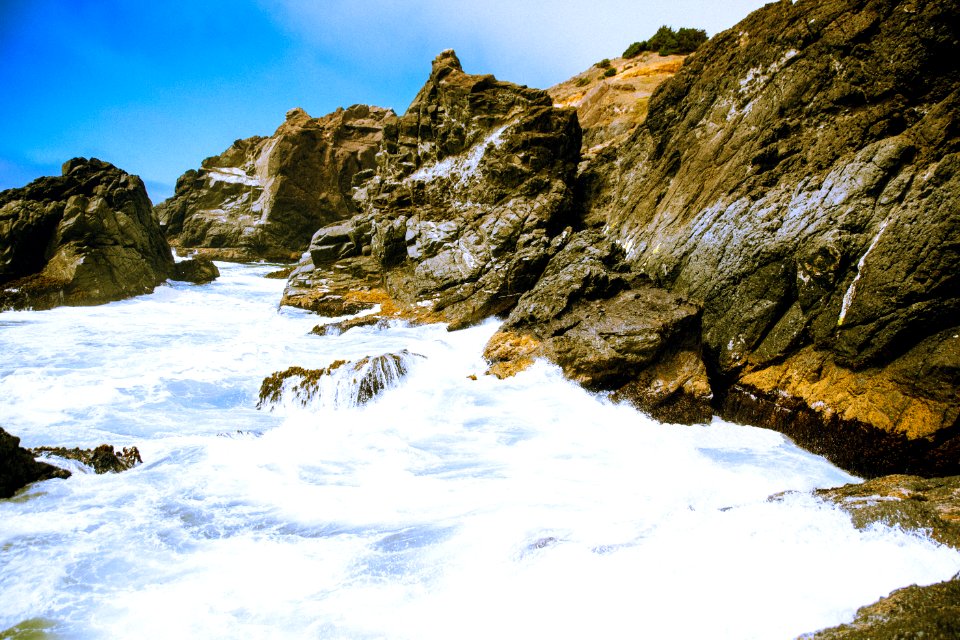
(871,396)
(509,353)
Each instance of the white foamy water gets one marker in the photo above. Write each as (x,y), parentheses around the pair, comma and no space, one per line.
(446,508)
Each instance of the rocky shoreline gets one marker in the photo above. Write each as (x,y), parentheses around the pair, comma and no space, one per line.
(773,238)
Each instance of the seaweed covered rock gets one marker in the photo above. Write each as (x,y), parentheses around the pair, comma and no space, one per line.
(86,237)
(341,384)
(265,196)
(798,179)
(472,184)
(102,459)
(18,467)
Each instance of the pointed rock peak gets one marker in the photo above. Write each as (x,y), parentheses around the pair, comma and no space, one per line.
(445,62)
(297,114)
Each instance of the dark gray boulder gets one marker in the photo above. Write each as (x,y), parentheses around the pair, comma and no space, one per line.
(18,468)
(86,237)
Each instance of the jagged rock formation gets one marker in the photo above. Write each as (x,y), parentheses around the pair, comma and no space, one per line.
(18,467)
(472,184)
(798,179)
(265,196)
(86,237)
(609,330)
(341,384)
(610,107)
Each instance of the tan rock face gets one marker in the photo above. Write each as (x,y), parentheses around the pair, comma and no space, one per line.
(611,107)
(264,197)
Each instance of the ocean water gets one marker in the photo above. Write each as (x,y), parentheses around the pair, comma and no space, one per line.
(447,507)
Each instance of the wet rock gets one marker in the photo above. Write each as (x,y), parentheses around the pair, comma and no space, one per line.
(471,185)
(928,506)
(797,178)
(609,330)
(341,384)
(930,612)
(18,468)
(197,270)
(338,328)
(86,237)
(102,459)
(265,196)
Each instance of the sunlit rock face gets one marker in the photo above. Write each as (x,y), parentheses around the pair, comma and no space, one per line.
(86,237)
(798,178)
(472,185)
(265,196)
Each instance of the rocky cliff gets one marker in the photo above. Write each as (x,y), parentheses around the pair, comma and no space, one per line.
(86,237)
(264,197)
(473,185)
(797,180)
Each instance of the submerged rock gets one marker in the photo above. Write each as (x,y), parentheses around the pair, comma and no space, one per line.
(18,468)
(198,270)
(265,196)
(83,238)
(341,384)
(102,459)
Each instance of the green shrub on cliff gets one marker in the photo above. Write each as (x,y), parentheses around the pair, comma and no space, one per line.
(609,73)
(667,42)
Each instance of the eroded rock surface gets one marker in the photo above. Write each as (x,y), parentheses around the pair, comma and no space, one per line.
(472,183)
(798,179)
(265,196)
(86,237)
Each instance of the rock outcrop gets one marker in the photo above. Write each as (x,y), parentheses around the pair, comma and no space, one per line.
(798,179)
(197,270)
(609,329)
(928,506)
(610,105)
(86,237)
(265,196)
(472,185)
(18,468)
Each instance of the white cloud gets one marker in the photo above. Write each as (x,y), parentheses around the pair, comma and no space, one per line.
(533,41)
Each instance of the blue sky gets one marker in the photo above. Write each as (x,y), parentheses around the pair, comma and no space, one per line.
(155,87)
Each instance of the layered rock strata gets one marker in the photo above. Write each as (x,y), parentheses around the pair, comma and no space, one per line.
(472,185)
(265,196)
(86,237)
(798,180)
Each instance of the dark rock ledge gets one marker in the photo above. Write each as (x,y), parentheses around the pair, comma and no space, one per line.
(20,467)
